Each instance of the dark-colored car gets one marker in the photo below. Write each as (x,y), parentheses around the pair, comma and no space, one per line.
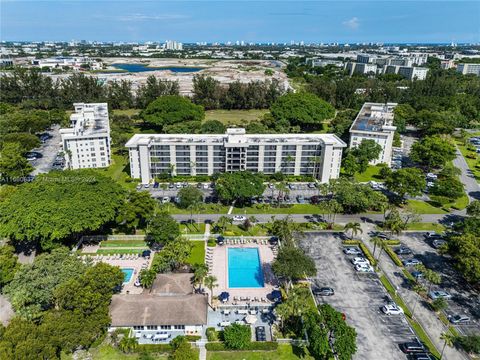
(324,291)
(412,347)
(403,250)
(156,185)
(260,333)
(171,186)
(314,200)
(421,356)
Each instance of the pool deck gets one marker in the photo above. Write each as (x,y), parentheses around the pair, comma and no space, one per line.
(218,264)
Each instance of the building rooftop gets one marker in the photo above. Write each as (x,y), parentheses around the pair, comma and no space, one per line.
(236,135)
(88,119)
(374,117)
(172,284)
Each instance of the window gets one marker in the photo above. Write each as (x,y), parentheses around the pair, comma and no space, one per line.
(179,327)
(151,327)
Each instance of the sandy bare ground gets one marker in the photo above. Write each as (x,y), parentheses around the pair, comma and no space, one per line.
(6,311)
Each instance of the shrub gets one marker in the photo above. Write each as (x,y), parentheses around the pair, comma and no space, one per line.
(237,336)
(212,334)
(368,254)
(392,242)
(394,257)
(192,338)
(439,304)
(155,348)
(470,344)
(260,346)
(409,276)
(350,242)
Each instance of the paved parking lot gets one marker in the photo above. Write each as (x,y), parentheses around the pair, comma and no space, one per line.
(360,297)
(49,151)
(465,300)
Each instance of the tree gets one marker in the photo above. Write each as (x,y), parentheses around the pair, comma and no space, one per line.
(213,127)
(210,282)
(182,350)
(13,166)
(237,336)
(366,151)
(200,272)
(26,140)
(302,109)
(355,198)
(406,181)
(60,206)
(448,340)
(354,228)
(284,229)
(9,264)
(172,110)
(223,221)
(377,242)
(189,198)
(393,222)
(473,209)
(292,264)
(471,343)
(128,344)
(432,152)
(465,249)
(448,187)
(137,208)
(147,278)
(239,186)
(162,229)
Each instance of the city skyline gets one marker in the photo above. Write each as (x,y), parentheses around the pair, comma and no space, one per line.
(265,21)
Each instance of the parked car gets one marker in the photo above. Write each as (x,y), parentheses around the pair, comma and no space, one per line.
(239,218)
(146,186)
(260,333)
(422,356)
(314,200)
(300,199)
(311,185)
(412,347)
(363,268)
(137,282)
(165,199)
(439,294)
(291,186)
(411,262)
(139,186)
(417,274)
(178,185)
(403,250)
(271,186)
(156,185)
(324,291)
(392,309)
(360,260)
(352,251)
(433,235)
(171,186)
(459,319)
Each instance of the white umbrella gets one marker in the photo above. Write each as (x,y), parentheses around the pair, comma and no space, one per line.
(250,319)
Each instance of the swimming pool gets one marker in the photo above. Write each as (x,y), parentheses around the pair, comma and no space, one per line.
(244,268)
(127,275)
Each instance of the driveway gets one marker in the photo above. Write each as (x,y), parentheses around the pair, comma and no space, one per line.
(467,178)
(49,150)
(359,297)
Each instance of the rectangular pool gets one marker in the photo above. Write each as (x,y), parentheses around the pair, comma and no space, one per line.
(127,275)
(244,268)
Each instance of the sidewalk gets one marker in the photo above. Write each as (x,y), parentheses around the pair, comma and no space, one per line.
(429,321)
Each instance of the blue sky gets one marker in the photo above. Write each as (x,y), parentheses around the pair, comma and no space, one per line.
(256,21)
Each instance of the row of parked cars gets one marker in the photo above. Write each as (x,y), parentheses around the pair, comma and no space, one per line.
(475,141)
(360,263)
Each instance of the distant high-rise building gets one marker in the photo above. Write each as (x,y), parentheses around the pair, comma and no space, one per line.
(173,45)
(469,69)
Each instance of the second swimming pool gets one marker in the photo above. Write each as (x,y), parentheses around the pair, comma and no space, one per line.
(127,275)
(244,268)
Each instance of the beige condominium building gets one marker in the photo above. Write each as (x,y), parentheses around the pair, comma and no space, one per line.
(375,122)
(86,143)
(317,155)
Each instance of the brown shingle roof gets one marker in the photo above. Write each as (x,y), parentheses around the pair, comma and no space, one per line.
(150,309)
(173,284)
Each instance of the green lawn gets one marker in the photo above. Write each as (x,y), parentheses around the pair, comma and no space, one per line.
(422,207)
(471,162)
(108,352)
(426,227)
(192,228)
(286,209)
(120,251)
(122,243)
(206,209)
(258,230)
(235,117)
(128,112)
(370,174)
(284,352)
(197,255)
(119,171)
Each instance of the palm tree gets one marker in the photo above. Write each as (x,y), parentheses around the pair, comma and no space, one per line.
(448,339)
(223,221)
(164,187)
(282,189)
(210,282)
(147,278)
(200,271)
(354,227)
(376,242)
(172,169)
(128,344)
(315,160)
(193,167)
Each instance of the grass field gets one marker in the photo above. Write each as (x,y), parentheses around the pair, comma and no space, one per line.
(192,228)
(119,171)
(123,243)
(120,251)
(235,117)
(370,174)
(470,162)
(108,352)
(128,112)
(422,207)
(207,209)
(258,230)
(284,352)
(426,227)
(197,255)
(287,209)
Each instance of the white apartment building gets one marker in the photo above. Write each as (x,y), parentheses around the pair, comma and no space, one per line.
(466,69)
(413,73)
(317,155)
(87,142)
(360,68)
(173,45)
(375,122)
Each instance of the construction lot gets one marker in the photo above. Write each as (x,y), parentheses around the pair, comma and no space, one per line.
(359,296)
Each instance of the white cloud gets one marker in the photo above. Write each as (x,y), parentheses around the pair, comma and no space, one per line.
(353,23)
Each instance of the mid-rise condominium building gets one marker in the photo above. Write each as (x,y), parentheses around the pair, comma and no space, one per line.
(317,155)
(375,122)
(466,69)
(86,143)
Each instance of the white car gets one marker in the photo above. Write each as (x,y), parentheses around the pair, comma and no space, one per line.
(432,176)
(239,218)
(363,268)
(360,261)
(392,309)
(165,199)
(352,251)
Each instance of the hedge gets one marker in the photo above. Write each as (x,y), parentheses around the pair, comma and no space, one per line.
(409,276)
(255,345)
(392,242)
(192,338)
(394,256)
(367,253)
(350,242)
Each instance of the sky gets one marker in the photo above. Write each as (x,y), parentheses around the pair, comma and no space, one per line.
(340,21)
